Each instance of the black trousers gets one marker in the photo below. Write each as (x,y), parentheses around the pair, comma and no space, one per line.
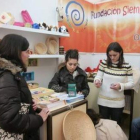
(111,113)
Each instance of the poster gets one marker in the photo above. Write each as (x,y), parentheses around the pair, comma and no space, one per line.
(93,27)
(76,19)
(119,21)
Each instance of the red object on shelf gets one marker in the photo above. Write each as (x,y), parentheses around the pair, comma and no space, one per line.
(95,70)
(88,69)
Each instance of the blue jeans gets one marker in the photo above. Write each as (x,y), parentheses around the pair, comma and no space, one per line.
(135,129)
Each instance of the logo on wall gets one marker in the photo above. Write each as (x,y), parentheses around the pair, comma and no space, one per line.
(75,15)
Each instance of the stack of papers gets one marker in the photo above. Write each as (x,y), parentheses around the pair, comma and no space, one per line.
(74,99)
(64,96)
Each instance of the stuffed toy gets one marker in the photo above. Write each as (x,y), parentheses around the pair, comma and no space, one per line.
(59,13)
(54,28)
(43,26)
(63,29)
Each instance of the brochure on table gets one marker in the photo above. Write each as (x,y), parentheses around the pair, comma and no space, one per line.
(64,96)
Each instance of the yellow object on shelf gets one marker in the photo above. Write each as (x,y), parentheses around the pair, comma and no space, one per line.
(33,85)
(40,48)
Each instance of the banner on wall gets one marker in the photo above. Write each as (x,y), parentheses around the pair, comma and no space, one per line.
(77,20)
(93,27)
(117,21)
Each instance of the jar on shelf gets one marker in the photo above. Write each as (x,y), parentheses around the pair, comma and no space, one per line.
(61,49)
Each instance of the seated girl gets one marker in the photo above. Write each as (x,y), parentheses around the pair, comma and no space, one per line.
(70,73)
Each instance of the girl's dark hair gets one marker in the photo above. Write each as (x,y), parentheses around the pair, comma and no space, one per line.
(94,116)
(11,47)
(115,46)
(71,54)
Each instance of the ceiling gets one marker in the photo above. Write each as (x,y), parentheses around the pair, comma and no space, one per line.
(97,1)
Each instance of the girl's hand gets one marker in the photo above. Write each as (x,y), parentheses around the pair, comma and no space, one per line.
(97,83)
(116,86)
(79,92)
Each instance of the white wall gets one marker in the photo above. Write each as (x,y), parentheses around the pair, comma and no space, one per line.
(39,10)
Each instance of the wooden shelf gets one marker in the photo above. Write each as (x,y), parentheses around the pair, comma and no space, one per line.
(46,56)
(17,28)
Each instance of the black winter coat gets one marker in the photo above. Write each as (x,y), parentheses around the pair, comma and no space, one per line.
(13,92)
(62,78)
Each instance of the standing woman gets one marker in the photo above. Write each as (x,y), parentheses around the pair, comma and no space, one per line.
(113,77)
(18,119)
(70,73)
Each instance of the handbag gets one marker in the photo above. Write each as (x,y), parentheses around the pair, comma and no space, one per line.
(4,135)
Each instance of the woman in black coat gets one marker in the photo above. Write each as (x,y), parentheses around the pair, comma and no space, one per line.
(70,73)
(18,116)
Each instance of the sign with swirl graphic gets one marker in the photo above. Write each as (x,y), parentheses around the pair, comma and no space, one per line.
(76,20)
(76,16)
(93,27)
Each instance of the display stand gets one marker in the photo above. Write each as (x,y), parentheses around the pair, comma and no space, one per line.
(52,130)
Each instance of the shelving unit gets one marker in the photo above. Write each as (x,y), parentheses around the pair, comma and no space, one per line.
(25,29)
(45,67)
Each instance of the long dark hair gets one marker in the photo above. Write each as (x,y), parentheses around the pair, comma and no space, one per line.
(115,46)
(72,54)
(11,47)
(93,116)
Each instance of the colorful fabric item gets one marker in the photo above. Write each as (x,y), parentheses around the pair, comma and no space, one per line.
(4,135)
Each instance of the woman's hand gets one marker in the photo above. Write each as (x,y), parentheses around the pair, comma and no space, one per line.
(44,114)
(34,105)
(116,86)
(79,92)
(97,83)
